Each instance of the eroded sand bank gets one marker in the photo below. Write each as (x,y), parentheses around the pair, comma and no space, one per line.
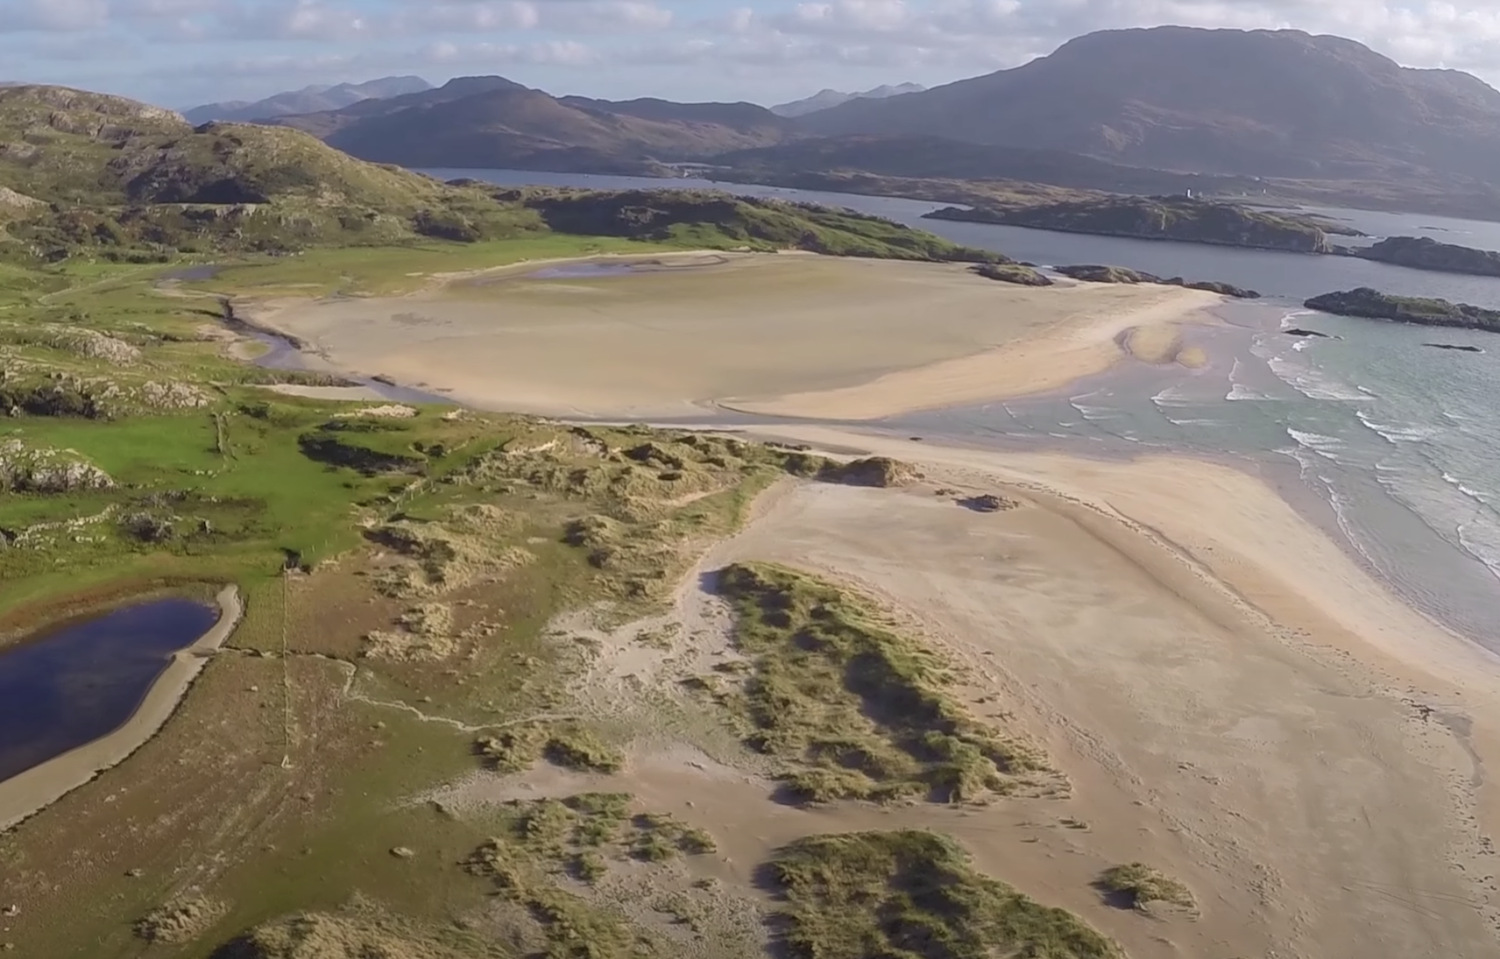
(1232,699)
(791,335)
(40,786)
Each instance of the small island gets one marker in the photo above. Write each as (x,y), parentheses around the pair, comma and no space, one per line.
(1184,219)
(1425,253)
(1372,304)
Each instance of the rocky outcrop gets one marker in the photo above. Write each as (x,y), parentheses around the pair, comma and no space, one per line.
(1372,304)
(1093,273)
(1425,253)
(1454,346)
(91,344)
(1161,218)
(1018,273)
(27,469)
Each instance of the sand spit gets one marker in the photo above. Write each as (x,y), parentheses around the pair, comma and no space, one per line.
(790,335)
(28,793)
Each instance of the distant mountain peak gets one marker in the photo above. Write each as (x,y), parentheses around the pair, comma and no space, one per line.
(310,99)
(827,99)
(1268,103)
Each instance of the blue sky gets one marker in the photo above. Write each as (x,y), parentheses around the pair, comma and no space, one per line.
(184,52)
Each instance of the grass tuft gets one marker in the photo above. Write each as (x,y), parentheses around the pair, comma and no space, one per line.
(855,709)
(1137,885)
(914,895)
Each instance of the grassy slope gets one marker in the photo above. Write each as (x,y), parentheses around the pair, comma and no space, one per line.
(101,177)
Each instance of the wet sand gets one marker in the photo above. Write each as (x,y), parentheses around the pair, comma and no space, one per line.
(791,335)
(41,786)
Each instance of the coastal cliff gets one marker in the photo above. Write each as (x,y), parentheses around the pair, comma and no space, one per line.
(1425,253)
(1162,218)
(1372,304)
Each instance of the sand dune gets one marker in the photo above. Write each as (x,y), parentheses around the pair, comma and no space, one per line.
(790,335)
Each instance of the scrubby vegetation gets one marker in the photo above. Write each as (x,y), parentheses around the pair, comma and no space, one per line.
(914,894)
(577,838)
(853,708)
(358,934)
(565,743)
(1137,885)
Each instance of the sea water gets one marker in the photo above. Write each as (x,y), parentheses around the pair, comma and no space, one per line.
(1391,445)
(1398,442)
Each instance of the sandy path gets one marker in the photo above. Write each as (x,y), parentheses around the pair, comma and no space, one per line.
(41,786)
(804,335)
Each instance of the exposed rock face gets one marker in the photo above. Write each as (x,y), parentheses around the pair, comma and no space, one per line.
(1425,253)
(25,469)
(1372,304)
(92,344)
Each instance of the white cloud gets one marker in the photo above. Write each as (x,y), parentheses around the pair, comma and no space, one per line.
(686,46)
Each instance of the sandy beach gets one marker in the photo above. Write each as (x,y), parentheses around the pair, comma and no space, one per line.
(1231,697)
(41,786)
(1232,700)
(809,336)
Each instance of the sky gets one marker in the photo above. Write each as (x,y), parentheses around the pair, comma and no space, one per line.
(181,53)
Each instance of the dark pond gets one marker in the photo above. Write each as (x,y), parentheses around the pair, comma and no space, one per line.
(78,681)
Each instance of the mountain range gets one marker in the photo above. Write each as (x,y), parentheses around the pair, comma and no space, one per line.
(826,99)
(1265,103)
(494,122)
(307,100)
(1312,117)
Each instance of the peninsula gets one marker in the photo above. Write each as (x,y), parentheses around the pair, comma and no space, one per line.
(1183,219)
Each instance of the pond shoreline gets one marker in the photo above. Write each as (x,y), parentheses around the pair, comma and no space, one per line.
(30,792)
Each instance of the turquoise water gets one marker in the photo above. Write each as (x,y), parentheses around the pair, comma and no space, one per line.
(1391,445)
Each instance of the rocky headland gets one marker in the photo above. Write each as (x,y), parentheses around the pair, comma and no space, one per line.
(1372,304)
(1425,253)
(1093,273)
(1163,218)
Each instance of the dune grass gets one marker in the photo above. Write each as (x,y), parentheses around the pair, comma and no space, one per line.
(1138,885)
(914,895)
(855,709)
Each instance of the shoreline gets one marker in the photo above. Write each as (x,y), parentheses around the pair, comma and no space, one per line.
(991,341)
(28,793)
(1231,539)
